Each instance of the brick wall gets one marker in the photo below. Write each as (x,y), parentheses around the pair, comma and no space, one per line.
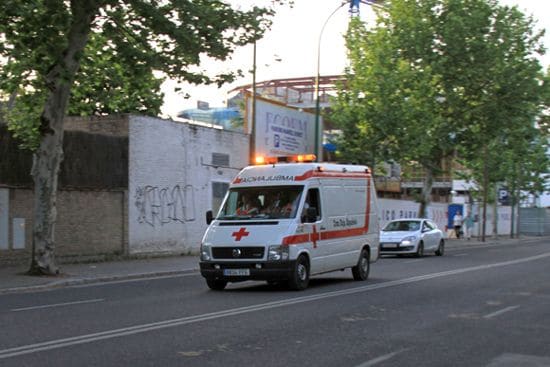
(89,224)
(160,207)
(113,125)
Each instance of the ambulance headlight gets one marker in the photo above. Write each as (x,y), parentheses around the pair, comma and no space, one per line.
(277,253)
(206,252)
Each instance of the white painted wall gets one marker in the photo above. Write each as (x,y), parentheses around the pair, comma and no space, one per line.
(390,209)
(504,220)
(170,184)
(170,175)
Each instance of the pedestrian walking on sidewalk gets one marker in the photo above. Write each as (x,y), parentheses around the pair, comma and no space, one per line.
(457,223)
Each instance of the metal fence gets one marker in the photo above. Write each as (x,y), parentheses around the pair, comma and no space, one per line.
(534,221)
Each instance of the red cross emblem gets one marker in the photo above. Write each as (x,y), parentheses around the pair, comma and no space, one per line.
(240,234)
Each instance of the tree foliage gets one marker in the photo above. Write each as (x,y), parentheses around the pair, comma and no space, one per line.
(98,56)
(128,41)
(440,77)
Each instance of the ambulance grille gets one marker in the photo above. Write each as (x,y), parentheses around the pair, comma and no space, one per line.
(238,252)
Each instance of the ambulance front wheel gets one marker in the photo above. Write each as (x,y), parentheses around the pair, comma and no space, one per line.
(216,284)
(299,279)
(361,270)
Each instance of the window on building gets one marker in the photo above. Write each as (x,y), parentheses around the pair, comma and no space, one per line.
(218,193)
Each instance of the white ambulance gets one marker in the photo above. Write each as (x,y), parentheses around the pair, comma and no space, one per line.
(289,221)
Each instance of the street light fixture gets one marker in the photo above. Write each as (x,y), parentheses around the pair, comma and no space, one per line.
(354,10)
(252,146)
(317,77)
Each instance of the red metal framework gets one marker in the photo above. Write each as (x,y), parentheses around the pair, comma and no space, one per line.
(296,91)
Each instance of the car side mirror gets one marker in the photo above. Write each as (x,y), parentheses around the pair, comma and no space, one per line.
(209,217)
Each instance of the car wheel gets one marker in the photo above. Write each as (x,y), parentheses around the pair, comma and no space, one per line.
(440,249)
(361,270)
(420,250)
(216,284)
(299,278)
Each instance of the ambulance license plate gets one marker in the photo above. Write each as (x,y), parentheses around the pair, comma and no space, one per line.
(236,272)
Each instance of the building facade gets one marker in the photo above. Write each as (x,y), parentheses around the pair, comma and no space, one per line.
(128,185)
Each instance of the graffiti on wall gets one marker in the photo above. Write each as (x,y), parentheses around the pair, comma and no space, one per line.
(163,205)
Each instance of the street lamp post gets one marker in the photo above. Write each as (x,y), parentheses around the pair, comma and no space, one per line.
(317,77)
(252,146)
(354,10)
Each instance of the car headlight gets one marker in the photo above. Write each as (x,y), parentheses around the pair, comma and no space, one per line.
(277,253)
(206,252)
(408,240)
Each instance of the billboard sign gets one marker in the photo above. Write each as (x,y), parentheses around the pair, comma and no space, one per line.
(281,130)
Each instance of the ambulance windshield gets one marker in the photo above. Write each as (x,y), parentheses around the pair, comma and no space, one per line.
(270,202)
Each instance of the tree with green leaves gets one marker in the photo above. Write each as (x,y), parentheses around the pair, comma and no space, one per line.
(435,76)
(498,133)
(58,56)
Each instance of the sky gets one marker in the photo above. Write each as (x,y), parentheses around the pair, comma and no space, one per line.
(289,49)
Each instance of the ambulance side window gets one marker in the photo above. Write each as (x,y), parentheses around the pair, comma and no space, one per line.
(312,201)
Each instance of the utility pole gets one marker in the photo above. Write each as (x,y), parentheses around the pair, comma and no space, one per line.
(252,153)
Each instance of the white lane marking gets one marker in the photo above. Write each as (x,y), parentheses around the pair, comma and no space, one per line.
(115,333)
(500,312)
(457,255)
(58,304)
(381,359)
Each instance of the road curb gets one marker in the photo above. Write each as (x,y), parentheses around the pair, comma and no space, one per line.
(453,243)
(92,280)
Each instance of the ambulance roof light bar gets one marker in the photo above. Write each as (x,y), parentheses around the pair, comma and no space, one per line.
(298,158)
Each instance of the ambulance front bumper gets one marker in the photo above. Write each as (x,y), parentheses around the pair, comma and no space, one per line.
(241,271)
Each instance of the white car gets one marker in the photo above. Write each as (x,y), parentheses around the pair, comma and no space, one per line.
(411,236)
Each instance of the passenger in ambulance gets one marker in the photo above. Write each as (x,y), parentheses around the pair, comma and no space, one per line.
(288,206)
(271,202)
(249,205)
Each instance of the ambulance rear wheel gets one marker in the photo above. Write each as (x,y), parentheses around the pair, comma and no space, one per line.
(216,284)
(299,278)
(361,270)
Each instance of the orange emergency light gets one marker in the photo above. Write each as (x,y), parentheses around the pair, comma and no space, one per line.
(298,158)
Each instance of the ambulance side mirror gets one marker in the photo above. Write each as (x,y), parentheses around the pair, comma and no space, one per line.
(311,215)
(209,217)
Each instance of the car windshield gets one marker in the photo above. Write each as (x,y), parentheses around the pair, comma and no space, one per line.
(270,202)
(402,225)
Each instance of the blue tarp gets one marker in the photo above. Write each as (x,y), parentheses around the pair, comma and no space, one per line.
(217,116)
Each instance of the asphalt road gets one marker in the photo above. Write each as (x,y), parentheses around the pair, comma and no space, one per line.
(477,306)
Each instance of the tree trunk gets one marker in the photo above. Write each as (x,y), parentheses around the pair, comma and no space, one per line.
(513,217)
(495,213)
(425,197)
(518,204)
(485,194)
(49,155)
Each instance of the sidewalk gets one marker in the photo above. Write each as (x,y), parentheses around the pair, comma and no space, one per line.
(13,279)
